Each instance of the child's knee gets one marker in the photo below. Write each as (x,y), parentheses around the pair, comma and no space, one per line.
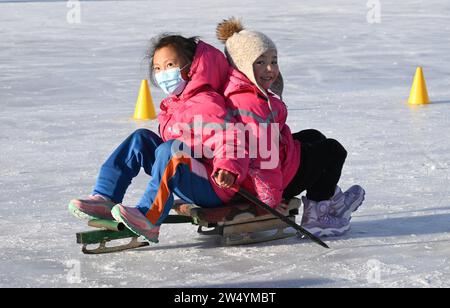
(165,149)
(171,148)
(143,133)
(337,149)
(315,134)
(309,136)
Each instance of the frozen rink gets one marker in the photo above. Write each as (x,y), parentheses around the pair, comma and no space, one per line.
(67,94)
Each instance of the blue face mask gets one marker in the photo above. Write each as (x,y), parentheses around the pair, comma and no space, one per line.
(170,81)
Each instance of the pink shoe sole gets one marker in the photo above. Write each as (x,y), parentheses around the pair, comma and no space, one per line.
(91,209)
(136,222)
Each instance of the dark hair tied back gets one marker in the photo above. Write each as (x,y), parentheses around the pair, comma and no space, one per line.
(185,47)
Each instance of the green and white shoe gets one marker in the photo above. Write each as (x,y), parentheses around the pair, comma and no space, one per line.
(136,222)
(94,207)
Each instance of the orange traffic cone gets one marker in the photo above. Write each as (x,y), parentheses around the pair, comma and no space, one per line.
(419,93)
(145,110)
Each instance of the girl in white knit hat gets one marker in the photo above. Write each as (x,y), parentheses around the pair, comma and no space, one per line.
(308,161)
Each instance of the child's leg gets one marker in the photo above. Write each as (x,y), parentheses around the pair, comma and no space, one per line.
(326,159)
(320,169)
(136,152)
(297,184)
(327,211)
(179,174)
(331,154)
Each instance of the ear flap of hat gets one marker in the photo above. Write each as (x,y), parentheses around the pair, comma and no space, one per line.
(277,86)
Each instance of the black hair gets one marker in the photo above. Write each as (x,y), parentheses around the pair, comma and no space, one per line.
(185,48)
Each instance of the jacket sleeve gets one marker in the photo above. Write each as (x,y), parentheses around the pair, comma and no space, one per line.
(228,151)
(219,138)
(268,185)
(286,140)
(265,171)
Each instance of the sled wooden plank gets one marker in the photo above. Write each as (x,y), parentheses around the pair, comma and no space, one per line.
(230,215)
(256,226)
(242,219)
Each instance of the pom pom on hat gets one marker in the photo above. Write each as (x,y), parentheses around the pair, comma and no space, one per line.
(243,47)
(227,28)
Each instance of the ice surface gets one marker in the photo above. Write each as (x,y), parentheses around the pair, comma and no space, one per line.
(67,92)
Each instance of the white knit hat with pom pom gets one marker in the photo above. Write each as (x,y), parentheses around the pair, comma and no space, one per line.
(243,47)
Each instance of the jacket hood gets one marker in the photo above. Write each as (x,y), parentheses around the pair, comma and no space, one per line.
(209,69)
(239,82)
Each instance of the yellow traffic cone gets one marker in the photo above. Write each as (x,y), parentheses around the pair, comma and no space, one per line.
(419,93)
(145,110)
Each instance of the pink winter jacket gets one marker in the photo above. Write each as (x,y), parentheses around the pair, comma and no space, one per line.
(250,106)
(190,117)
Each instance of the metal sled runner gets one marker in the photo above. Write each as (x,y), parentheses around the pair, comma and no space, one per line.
(236,225)
(240,224)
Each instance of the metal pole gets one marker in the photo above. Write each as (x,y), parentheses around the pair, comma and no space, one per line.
(300,230)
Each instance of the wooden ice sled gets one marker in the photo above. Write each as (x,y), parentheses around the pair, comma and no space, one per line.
(236,224)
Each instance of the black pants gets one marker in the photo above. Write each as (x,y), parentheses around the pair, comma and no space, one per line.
(321,162)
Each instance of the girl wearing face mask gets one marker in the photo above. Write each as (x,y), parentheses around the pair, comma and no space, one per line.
(191,73)
(307,160)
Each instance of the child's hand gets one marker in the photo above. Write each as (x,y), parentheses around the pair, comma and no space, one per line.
(224,178)
(283,208)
